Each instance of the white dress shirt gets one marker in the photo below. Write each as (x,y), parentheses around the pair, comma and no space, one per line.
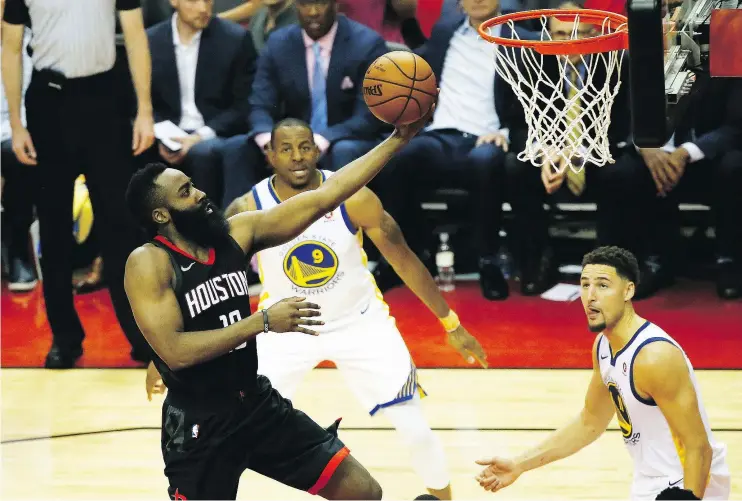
(186,60)
(467,99)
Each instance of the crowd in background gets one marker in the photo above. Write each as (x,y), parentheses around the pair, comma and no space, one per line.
(225,71)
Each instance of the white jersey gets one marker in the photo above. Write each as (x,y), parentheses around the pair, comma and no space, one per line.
(657,454)
(326,264)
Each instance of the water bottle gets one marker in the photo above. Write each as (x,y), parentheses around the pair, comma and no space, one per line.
(444,263)
(505,262)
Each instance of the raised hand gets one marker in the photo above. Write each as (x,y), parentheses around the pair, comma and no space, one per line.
(409,131)
(289,315)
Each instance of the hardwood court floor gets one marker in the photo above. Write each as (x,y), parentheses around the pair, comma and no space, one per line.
(475,412)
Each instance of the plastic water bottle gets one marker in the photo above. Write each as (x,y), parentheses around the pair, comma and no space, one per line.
(505,261)
(444,263)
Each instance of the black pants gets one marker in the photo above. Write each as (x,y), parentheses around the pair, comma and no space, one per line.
(19,196)
(79,128)
(207,445)
(650,225)
(527,196)
(445,158)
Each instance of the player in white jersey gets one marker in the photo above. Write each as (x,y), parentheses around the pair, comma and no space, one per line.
(643,376)
(327,265)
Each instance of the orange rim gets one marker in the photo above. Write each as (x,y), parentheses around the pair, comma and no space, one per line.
(618,40)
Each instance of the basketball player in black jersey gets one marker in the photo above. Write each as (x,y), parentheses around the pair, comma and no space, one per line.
(189,294)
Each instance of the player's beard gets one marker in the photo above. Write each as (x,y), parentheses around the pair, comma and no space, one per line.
(596,327)
(205,225)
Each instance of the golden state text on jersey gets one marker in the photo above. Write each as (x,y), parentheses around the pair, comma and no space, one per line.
(311,264)
(630,437)
(325,264)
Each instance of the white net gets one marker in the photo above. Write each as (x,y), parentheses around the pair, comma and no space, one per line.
(567,105)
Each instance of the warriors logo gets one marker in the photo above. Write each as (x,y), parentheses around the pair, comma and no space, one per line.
(622,413)
(310,264)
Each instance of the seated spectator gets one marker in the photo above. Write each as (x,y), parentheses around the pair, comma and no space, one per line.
(202,71)
(417,29)
(529,187)
(274,14)
(263,19)
(314,71)
(701,162)
(382,16)
(465,144)
(19,191)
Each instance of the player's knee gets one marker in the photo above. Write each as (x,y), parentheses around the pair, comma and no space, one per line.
(374,489)
(419,436)
(410,422)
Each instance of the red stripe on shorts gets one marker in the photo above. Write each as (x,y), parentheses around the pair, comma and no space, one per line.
(329,470)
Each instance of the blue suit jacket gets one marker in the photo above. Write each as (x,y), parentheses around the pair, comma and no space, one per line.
(281,87)
(224,75)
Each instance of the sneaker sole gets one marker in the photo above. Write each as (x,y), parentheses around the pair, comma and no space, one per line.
(22,286)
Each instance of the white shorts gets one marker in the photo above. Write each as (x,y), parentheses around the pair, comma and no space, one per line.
(370,354)
(719,487)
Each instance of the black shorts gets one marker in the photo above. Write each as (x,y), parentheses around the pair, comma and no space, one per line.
(206,447)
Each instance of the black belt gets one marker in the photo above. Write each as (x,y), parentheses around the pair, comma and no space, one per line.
(52,80)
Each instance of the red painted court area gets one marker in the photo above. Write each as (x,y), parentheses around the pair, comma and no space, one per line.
(521,332)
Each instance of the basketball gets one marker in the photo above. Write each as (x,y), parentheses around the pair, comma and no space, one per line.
(399,87)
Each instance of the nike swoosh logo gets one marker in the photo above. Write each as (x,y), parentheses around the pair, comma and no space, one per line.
(603,358)
(676,482)
(365,309)
(186,268)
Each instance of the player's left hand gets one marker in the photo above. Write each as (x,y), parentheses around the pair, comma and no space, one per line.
(468,346)
(153,381)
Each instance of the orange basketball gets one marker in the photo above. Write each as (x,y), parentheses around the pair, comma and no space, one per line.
(399,87)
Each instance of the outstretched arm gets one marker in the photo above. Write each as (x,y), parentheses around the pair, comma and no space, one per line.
(254,231)
(583,430)
(661,373)
(366,212)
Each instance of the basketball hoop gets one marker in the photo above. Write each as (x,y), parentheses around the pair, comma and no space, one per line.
(567,120)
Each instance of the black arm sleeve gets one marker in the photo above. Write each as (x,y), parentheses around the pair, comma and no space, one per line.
(16,12)
(128,4)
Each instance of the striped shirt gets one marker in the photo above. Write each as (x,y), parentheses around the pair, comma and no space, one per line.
(73,37)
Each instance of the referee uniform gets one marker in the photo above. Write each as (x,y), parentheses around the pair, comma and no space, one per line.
(78,126)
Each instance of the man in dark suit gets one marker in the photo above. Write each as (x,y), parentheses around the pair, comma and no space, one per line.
(202,71)
(528,186)
(314,72)
(702,162)
(464,146)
